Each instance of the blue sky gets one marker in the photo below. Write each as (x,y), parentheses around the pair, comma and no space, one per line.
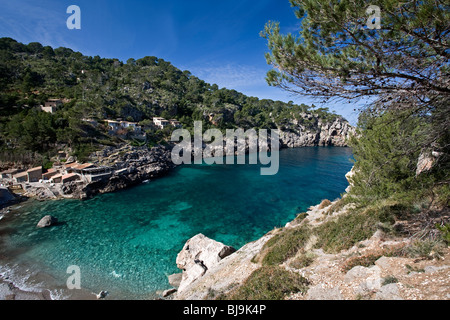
(218,41)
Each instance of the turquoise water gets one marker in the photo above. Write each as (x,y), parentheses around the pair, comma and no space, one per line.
(127,242)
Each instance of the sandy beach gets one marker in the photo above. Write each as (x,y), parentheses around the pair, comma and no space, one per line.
(24,280)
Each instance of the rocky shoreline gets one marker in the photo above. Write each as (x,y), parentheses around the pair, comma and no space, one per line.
(341,276)
(134,165)
(131,165)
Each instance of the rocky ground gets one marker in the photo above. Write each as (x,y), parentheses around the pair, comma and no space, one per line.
(368,270)
(389,278)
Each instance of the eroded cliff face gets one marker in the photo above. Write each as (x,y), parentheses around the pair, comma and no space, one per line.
(130,166)
(323,133)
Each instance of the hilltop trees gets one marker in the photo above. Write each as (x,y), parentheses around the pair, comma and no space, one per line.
(337,55)
(107,88)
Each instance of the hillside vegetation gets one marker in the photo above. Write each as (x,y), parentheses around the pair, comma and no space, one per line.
(97,88)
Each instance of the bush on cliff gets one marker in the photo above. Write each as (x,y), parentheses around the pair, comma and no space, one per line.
(284,245)
(270,283)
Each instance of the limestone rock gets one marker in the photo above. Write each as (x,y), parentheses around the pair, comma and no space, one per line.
(175,279)
(366,279)
(168,292)
(334,133)
(318,292)
(102,294)
(47,221)
(199,254)
(356,273)
(432,269)
(426,161)
(388,292)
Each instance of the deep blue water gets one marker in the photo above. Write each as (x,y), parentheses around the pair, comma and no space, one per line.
(127,242)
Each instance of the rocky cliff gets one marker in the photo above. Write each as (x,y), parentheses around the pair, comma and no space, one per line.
(323,133)
(131,166)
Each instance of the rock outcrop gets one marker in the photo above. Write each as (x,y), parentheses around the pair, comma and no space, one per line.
(131,165)
(47,221)
(199,255)
(225,274)
(426,161)
(6,196)
(336,133)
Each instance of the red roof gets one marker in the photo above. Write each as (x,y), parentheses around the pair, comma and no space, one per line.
(70,175)
(83,166)
(72,164)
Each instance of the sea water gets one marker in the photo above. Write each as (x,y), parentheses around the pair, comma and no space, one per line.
(126,242)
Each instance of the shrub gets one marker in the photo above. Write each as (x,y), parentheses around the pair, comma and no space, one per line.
(364,260)
(47,164)
(270,283)
(301,216)
(285,245)
(445,232)
(337,206)
(389,280)
(345,231)
(414,269)
(426,249)
(303,260)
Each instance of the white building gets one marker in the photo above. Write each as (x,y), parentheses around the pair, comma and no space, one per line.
(52,105)
(161,122)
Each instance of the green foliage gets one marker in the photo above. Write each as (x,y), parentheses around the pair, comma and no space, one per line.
(31,130)
(47,164)
(346,230)
(386,154)
(270,283)
(285,245)
(83,150)
(106,88)
(303,260)
(414,269)
(336,54)
(427,249)
(364,260)
(445,232)
(388,280)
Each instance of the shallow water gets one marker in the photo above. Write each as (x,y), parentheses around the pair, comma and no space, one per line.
(127,242)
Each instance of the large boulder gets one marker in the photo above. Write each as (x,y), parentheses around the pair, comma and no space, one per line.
(5,196)
(47,221)
(200,254)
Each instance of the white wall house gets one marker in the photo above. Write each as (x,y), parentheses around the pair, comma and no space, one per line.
(161,122)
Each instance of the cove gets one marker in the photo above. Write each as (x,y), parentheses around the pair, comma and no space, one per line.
(126,242)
